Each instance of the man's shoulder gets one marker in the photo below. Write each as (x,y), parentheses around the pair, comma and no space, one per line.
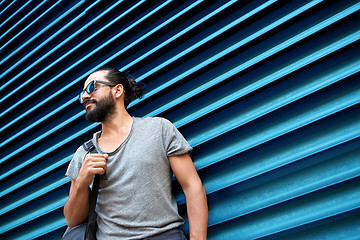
(154,124)
(80,151)
(154,120)
(86,145)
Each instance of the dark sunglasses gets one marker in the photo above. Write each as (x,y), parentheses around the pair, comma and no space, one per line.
(91,87)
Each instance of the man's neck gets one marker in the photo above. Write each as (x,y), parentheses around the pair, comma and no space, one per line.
(117,125)
(115,131)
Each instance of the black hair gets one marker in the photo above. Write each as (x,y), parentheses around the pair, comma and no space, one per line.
(132,89)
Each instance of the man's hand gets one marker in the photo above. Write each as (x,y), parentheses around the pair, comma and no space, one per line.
(76,209)
(93,164)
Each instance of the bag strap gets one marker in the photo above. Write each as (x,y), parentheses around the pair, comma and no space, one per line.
(90,148)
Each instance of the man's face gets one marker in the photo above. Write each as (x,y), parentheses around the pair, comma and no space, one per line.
(104,108)
(100,104)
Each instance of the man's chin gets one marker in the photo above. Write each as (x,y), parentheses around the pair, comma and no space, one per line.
(90,118)
(89,114)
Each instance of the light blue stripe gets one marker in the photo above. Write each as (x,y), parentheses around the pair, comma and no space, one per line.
(312,212)
(271,78)
(210,37)
(219,55)
(20,21)
(37,122)
(225,210)
(35,176)
(50,187)
(263,81)
(56,48)
(44,56)
(43,230)
(299,184)
(64,71)
(28,96)
(24,130)
(42,136)
(265,165)
(269,134)
(33,22)
(49,150)
(319,84)
(40,231)
(285,158)
(60,58)
(33,215)
(258,58)
(9,5)
(299,93)
(305,118)
(15,13)
(152,32)
(178,34)
(71,101)
(33,108)
(39,33)
(51,80)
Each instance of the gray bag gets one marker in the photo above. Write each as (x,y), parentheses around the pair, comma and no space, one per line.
(86,230)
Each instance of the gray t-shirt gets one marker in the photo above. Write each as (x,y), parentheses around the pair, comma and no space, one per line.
(135,198)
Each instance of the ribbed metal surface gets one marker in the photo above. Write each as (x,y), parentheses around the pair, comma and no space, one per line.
(267,93)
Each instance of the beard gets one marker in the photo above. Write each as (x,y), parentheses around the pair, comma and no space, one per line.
(103,110)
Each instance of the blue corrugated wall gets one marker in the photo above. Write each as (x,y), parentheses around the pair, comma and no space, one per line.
(267,93)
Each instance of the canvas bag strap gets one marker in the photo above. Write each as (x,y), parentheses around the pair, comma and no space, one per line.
(90,148)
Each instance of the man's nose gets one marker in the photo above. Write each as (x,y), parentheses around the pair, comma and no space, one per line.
(85,96)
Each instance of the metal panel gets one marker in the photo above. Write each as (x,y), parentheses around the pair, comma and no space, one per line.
(267,93)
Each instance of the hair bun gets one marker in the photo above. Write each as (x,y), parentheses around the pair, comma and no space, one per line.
(132,89)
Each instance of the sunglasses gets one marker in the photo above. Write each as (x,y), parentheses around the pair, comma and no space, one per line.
(91,87)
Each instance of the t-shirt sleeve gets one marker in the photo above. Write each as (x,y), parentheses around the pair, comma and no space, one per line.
(174,142)
(76,163)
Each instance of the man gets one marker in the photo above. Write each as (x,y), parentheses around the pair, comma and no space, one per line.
(137,158)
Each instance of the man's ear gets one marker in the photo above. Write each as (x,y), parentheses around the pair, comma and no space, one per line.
(119,90)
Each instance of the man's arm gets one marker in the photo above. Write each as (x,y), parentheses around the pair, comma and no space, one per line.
(195,194)
(76,209)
